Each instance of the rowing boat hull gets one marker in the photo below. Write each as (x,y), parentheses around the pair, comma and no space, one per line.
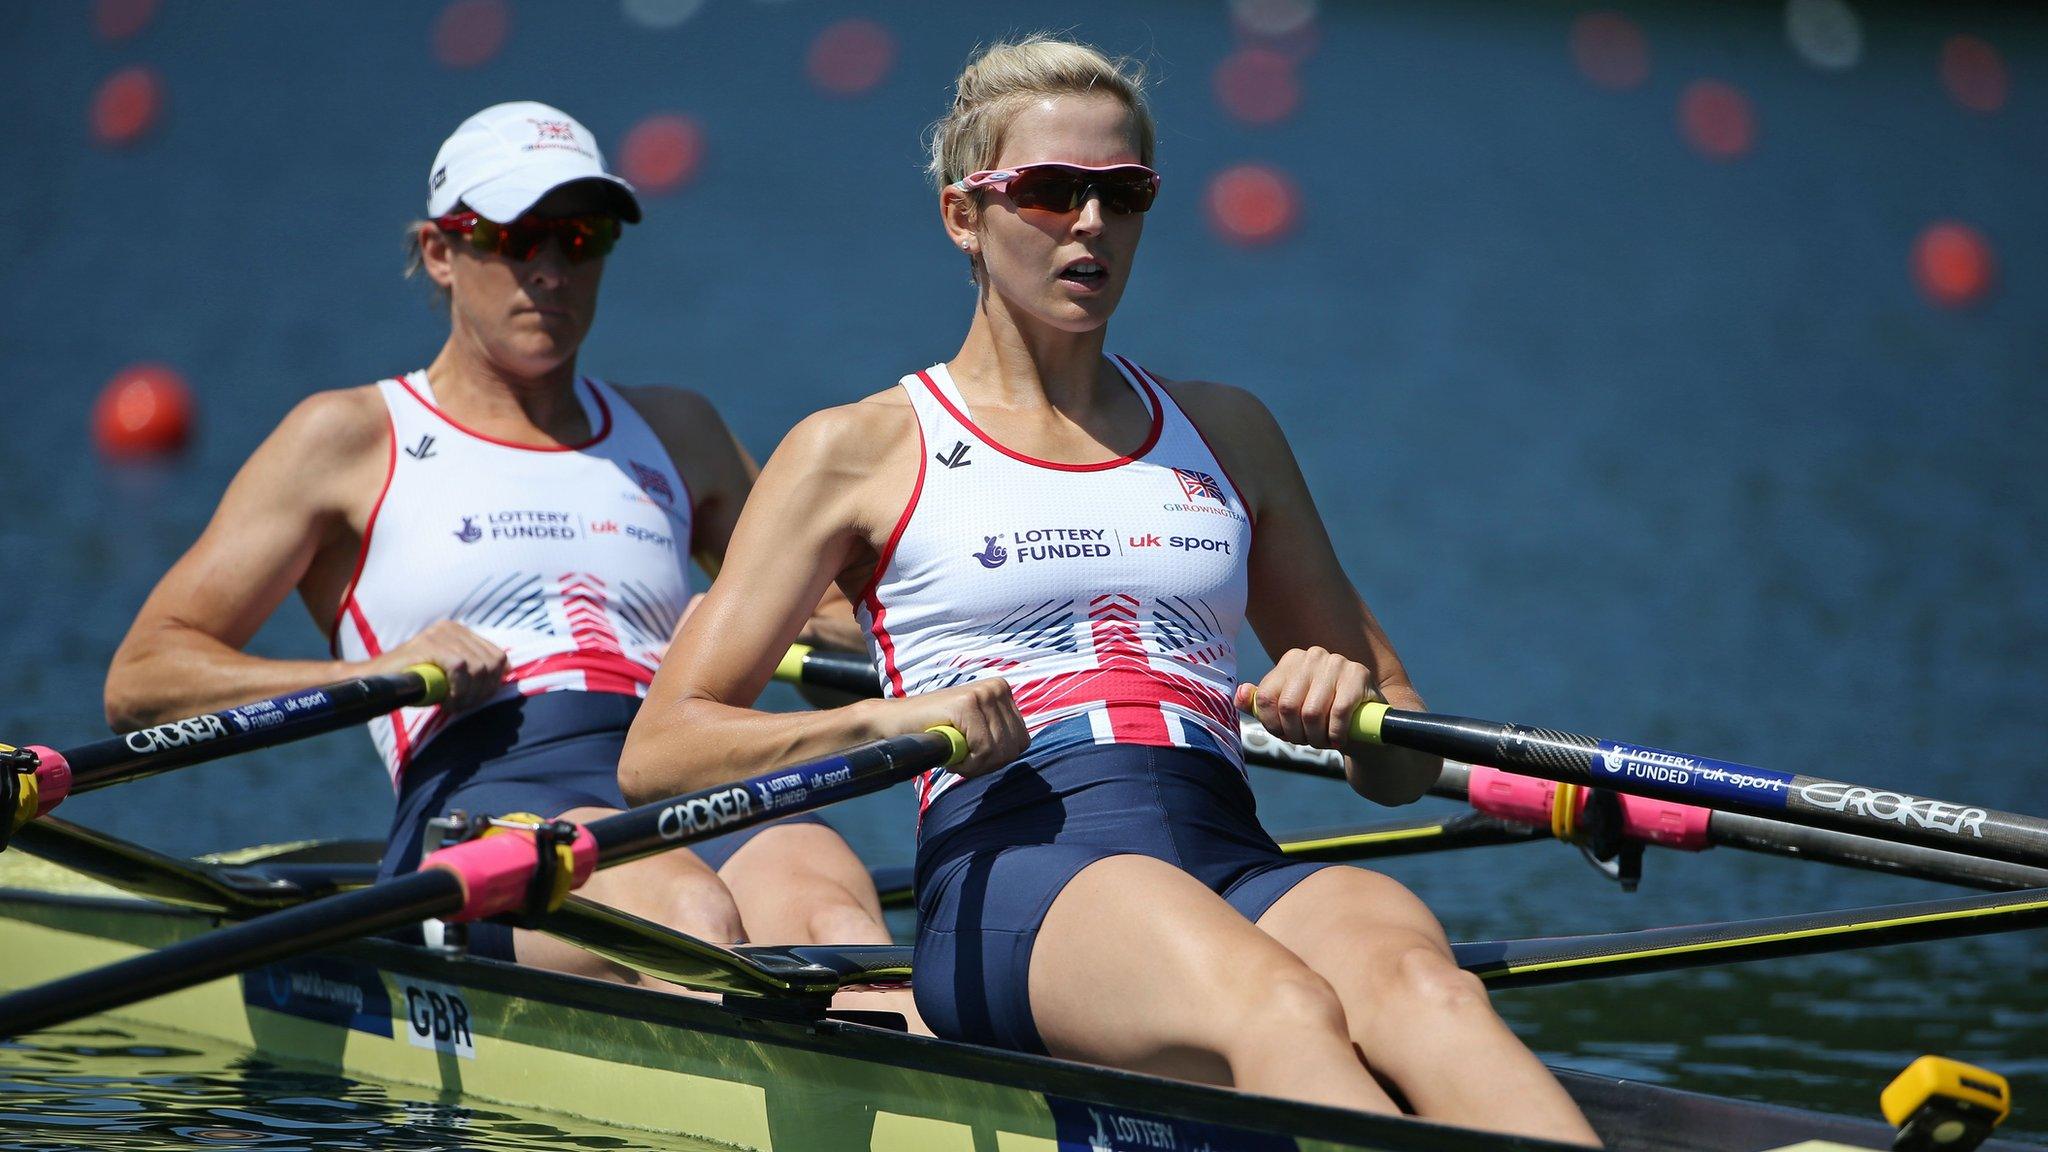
(742,1078)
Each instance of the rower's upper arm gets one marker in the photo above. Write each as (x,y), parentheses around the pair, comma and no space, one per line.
(812,513)
(289,500)
(1300,596)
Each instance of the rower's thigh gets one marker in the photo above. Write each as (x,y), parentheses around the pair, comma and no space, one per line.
(1139,965)
(802,884)
(1369,936)
(672,888)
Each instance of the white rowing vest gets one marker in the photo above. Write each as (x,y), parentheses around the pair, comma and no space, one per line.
(1113,591)
(575,560)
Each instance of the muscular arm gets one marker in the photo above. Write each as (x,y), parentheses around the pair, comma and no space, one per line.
(828,495)
(182,655)
(720,474)
(1300,598)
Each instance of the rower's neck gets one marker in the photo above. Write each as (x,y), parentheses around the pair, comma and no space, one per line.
(1021,364)
(541,411)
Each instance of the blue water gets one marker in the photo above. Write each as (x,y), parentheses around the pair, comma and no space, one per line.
(1614,438)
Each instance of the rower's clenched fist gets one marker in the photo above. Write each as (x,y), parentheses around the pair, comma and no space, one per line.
(1309,697)
(983,711)
(474,665)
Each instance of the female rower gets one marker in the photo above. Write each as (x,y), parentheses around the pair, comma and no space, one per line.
(526,528)
(1053,550)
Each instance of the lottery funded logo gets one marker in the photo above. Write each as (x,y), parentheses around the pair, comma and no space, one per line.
(1042,545)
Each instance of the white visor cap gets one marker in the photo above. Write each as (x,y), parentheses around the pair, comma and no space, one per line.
(502,160)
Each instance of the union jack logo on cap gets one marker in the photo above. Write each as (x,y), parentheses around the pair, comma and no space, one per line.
(651,482)
(1198,484)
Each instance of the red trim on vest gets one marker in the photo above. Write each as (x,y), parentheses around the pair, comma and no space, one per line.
(604,429)
(348,591)
(401,744)
(868,594)
(1151,436)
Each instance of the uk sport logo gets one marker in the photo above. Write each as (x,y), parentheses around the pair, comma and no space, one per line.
(1199,485)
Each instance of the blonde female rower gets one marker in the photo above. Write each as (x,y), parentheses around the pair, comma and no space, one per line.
(1053,550)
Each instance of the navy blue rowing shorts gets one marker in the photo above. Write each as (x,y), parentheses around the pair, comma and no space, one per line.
(994,852)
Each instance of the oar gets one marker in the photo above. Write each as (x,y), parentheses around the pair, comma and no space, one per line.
(39,778)
(1533,803)
(484,877)
(1718,784)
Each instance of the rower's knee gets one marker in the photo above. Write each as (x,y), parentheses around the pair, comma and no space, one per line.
(843,922)
(1430,985)
(702,907)
(1290,1003)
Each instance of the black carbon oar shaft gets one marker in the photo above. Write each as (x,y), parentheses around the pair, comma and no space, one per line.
(1718,784)
(437,890)
(210,736)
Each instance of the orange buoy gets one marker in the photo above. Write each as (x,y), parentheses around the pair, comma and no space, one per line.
(127,106)
(1953,265)
(144,411)
(121,19)
(1974,74)
(851,57)
(1717,119)
(1252,204)
(1610,50)
(1257,85)
(661,153)
(468,33)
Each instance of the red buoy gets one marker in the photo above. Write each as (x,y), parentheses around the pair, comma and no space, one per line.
(1953,265)
(661,153)
(1974,74)
(121,19)
(468,33)
(144,411)
(127,106)
(1252,204)
(1717,119)
(851,57)
(1610,50)
(1257,85)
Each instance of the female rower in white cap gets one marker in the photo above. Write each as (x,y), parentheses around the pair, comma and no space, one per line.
(526,528)
(1054,551)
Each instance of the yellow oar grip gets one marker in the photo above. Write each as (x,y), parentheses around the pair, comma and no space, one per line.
(437,682)
(1365,723)
(27,799)
(956,739)
(790,669)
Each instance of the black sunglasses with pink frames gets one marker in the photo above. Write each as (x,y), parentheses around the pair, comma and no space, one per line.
(1125,189)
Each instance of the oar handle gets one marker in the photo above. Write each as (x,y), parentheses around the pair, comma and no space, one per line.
(496,871)
(1718,784)
(212,735)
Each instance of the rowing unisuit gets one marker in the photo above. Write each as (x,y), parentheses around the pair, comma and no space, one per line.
(1109,593)
(574,559)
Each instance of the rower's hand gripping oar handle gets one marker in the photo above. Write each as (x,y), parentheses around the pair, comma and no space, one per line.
(212,735)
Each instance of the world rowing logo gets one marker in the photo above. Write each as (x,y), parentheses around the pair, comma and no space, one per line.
(993,555)
(470,533)
(1199,485)
(652,482)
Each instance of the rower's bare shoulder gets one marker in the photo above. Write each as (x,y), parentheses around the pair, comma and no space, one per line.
(853,440)
(1229,416)
(668,408)
(330,430)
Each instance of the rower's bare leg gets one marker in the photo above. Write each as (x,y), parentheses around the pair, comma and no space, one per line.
(674,889)
(802,884)
(1418,1019)
(1140,966)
